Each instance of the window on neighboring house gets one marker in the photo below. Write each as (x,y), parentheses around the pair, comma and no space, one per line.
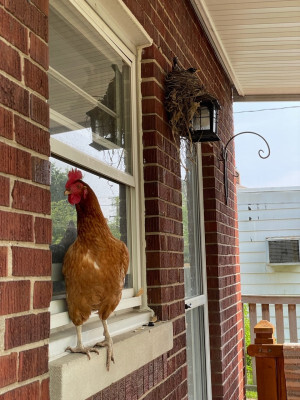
(92,78)
(283,251)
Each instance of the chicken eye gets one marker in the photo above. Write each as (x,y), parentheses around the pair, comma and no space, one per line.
(78,186)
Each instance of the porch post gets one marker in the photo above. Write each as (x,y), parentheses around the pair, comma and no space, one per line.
(269,363)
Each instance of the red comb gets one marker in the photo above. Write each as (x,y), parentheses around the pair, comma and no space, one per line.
(73,175)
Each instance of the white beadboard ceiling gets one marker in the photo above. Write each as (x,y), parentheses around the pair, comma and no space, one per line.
(258,43)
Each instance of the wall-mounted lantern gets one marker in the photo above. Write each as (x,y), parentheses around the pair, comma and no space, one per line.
(205,121)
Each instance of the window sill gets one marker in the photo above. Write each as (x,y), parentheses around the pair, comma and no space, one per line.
(70,374)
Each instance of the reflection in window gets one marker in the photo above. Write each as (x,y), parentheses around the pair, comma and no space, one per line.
(195,333)
(191,223)
(90,93)
(113,200)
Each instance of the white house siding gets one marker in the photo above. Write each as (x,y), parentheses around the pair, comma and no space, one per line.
(264,213)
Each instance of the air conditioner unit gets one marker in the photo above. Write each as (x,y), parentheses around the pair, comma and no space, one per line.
(283,250)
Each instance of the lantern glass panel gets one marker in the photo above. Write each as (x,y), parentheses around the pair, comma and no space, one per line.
(204,119)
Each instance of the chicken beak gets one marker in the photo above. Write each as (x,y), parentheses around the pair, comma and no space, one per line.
(67,192)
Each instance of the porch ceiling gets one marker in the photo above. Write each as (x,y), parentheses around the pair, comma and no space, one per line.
(258,43)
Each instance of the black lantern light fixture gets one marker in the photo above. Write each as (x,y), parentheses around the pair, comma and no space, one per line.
(205,121)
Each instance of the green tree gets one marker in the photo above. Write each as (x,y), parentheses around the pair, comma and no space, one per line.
(58,181)
(62,211)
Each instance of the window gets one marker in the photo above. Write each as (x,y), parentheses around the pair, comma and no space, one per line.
(283,250)
(92,80)
(199,382)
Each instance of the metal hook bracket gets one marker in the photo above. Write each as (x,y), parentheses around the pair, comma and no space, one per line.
(224,157)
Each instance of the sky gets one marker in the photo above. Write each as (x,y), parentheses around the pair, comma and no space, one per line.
(279,124)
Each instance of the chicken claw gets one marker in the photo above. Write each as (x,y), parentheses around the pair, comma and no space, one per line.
(82,349)
(110,354)
(107,342)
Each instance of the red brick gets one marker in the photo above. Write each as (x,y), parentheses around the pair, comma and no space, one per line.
(14,297)
(41,171)
(45,392)
(14,96)
(27,392)
(152,88)
(31,136)
(153,106)
(151,69)
(42,5)
(157,259)
(31,16)
(16,226)
(39,50)
(26,329)
(10,61)
(14,161)
(43,230)
(176,309)
(154,189)
(42,294)
(13,31)
(4,193)
(36,78)
(31,198)
(163,208)
(39,110)
(179,326)
(31,262)
(8,369)
(158,224)
(3,260)
(33,363)
(153,53)
(6,123)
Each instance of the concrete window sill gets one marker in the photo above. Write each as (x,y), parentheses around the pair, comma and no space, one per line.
(76,377)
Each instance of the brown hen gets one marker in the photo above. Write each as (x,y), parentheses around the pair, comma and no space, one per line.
(94,267)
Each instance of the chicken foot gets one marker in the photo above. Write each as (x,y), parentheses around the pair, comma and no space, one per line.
(80,348)
(107,342)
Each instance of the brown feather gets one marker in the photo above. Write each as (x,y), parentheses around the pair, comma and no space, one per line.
(95,265)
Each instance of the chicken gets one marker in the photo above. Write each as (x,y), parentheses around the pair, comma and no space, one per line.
(94,267)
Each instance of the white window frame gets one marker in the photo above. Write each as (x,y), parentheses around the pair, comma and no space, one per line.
(192,303)
(132,309)
(281,238)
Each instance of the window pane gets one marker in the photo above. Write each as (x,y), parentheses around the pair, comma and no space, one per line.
(196,357)
(191,224)
(90,95)
(114,202)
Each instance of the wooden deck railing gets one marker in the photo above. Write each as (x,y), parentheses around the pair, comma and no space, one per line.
(288,324)
(271,380)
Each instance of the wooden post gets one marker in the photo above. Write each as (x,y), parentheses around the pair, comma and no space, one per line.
(269,363)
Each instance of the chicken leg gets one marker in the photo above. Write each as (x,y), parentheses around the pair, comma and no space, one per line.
(107,342)
(80,348)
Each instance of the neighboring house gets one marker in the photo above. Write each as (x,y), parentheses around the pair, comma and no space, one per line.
(269,232)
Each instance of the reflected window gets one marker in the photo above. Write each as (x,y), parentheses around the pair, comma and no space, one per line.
(90,93)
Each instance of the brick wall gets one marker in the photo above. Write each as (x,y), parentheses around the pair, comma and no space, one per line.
(291,354)
(25,207)
(175,31)
(25,225)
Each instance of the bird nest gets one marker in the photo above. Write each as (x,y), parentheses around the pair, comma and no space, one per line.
(183,89)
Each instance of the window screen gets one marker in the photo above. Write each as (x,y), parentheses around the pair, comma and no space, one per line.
(283,251)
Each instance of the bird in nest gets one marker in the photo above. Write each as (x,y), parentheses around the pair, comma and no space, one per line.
(183,87)
(185,81)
